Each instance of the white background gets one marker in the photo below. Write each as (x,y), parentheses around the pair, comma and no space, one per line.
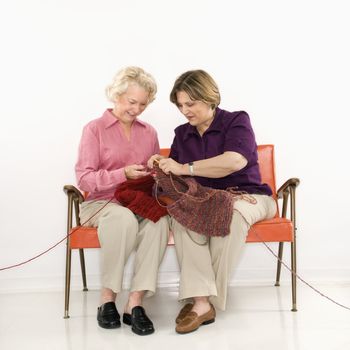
(285,62)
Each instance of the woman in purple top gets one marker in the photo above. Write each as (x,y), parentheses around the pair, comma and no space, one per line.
(218,148)
(114,148)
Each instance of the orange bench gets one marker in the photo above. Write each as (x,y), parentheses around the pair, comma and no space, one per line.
(279,229)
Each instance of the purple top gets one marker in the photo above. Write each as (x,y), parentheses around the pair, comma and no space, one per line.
(229,131)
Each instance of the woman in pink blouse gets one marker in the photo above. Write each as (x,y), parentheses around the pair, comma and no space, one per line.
(114,148)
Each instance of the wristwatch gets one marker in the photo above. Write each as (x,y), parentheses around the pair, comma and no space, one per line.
(190,165)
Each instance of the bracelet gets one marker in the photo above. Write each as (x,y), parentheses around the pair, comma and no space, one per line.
(190,165)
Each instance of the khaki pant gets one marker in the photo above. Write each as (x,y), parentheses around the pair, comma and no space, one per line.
(206,264)
(120,232)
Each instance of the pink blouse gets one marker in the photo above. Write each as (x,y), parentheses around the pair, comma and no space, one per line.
(104,151)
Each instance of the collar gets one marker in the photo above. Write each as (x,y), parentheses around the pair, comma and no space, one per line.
(214,126)
(109,119)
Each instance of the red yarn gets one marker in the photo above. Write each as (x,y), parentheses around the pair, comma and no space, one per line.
(136,195)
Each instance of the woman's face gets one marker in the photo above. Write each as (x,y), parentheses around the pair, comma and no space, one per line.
(198,113)
(131,104)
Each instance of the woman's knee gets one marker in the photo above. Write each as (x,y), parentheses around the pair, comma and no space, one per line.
(160,228)
(163,224)
(239,224)
(119,215)
(118,221)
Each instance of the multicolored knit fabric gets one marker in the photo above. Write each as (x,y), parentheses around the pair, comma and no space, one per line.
(201,209)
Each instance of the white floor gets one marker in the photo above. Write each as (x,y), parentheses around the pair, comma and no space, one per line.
(257,317)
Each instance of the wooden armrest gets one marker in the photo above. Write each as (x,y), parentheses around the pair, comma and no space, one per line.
(293,182)
(72,190)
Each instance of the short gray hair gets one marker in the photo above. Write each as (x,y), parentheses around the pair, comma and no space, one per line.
(131,75)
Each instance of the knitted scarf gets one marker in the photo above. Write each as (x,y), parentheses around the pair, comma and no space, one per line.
(201,209)
(136,195)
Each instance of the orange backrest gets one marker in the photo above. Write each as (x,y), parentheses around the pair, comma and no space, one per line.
(164,152)
(266,158)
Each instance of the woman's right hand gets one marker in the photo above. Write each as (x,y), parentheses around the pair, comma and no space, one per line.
(135,171)
(155,157)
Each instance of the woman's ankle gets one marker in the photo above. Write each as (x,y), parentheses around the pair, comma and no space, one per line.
(201,305)
(107,295)
(135,299)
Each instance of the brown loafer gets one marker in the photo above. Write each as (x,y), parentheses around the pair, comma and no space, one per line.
(192,321)
(183,312)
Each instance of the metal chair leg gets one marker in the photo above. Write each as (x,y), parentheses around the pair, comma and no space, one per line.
(280,255)
(83,271)
(68,258)
(294,278)
(293,250)
(280,246)
(67,284)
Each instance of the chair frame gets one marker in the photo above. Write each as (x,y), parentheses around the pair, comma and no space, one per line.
(287,192)
(75,198)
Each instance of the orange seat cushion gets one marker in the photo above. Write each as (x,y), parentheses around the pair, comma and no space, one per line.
(84,237)
(274,230)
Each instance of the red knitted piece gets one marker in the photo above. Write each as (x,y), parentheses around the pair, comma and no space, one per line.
(136,195)
(201,209)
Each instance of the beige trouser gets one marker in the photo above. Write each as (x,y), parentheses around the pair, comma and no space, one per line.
(205,268)
(120,232)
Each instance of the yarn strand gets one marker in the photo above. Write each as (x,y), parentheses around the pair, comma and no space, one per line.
(56,244)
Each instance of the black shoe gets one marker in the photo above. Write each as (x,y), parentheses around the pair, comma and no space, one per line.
(108,316)
(138,320)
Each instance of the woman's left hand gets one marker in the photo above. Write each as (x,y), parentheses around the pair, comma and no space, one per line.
(155,157)
(169,165)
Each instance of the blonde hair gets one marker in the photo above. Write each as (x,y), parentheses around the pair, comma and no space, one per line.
(199,85)
(131,75)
